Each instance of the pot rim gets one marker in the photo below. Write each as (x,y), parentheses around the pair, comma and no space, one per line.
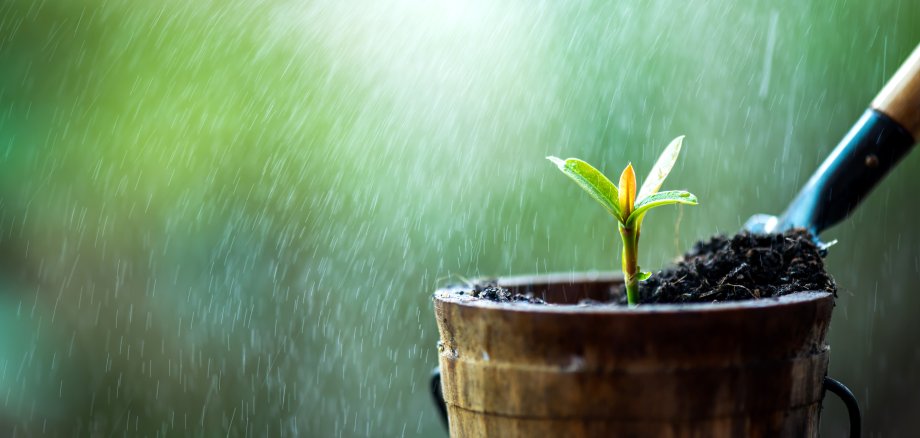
(454,295)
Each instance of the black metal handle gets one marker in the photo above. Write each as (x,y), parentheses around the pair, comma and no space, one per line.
(437,396)
(844,393)
(874,145)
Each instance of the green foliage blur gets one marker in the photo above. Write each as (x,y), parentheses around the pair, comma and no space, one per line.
(227,217)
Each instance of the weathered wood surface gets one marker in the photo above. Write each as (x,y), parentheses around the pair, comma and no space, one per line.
(734,369)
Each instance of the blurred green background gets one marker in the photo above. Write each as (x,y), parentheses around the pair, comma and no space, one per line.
(227,217)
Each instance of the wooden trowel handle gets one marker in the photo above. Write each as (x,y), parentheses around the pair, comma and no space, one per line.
(900,99)
(884,134)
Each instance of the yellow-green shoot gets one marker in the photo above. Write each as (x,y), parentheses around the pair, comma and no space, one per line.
(628,207)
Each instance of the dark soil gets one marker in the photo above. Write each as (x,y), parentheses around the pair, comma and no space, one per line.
(490,290)
(743,267)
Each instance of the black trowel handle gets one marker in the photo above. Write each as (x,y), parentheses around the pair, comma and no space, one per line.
(875,144)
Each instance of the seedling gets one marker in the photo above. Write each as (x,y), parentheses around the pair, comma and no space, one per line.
(626,206)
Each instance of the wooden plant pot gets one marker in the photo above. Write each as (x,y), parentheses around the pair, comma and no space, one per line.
(751,368)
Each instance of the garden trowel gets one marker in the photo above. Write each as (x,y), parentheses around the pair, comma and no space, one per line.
(873,146)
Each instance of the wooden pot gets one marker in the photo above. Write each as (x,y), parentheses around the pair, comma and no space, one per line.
(750,368)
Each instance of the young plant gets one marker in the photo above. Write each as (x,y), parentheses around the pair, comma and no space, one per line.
(628,207)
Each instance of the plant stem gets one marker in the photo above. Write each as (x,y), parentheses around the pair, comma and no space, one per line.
(630,263)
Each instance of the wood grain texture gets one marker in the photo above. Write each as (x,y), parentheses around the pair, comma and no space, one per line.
(900,99)
(733,369)
(796,422)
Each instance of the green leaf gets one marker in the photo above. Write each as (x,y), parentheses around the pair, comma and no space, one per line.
(661,169)
(643,275)
(592,181)
(657,200)
(627,191)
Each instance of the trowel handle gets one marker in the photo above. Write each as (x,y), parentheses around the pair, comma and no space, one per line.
(874,145)
(900,99)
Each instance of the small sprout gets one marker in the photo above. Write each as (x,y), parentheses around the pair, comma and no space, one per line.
(628,207)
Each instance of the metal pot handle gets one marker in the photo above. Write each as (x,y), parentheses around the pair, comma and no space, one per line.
(845,395)
(437,396)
